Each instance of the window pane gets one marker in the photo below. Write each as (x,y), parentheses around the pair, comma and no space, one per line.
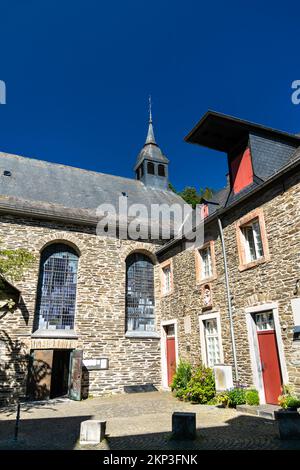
(212,342)
(139,293)
(257,240)
(57,288)
(206,262)
(264,321)
(253,242)
(167,279)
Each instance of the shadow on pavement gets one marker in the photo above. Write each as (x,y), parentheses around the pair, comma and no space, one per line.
(242,432)
(45,433)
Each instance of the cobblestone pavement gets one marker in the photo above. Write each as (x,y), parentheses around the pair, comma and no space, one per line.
(136,421)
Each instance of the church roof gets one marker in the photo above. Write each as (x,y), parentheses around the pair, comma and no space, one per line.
(42,186)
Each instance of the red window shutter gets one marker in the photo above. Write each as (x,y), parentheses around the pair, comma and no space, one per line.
(241,171)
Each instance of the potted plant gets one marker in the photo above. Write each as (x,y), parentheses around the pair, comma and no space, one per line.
(289,402)
(288,417)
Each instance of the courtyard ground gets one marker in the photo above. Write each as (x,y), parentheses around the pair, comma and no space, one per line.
(136,421)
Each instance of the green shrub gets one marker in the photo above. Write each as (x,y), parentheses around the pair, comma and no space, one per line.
(181,378)
(237,396)
(222,398)
(252,397)
(289,401)
(201,387)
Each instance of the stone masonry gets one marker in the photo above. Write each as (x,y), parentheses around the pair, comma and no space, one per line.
(100,310)
(270,282)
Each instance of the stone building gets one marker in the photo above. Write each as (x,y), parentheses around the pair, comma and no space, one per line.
(88,320)
(104,313)
(235,300)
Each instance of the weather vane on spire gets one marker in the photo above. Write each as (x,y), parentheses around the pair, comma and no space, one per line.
(150,109)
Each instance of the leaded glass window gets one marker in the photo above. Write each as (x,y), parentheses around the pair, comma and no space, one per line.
(57,288)
(140,314)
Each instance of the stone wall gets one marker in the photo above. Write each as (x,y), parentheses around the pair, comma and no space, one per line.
(100,310)
(270,282)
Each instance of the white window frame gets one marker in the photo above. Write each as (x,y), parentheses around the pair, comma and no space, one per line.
(210,264)
(202,318)
(258,245)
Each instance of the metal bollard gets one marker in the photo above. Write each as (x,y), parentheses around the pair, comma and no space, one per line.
(17,420)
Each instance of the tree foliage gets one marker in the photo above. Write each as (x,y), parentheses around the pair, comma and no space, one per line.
(193,197)
(14,262)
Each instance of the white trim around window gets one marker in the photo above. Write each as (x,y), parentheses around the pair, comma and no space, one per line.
(202,318)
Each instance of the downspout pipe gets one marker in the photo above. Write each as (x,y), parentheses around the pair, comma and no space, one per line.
(228,299)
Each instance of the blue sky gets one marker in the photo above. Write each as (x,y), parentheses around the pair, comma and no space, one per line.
(78,75)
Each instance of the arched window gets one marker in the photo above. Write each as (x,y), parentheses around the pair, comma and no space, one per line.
(140,314)
(150,168)
(57,288)
(161,170)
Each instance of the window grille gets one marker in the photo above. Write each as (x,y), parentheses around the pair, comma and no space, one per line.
(140,303)
(57,288)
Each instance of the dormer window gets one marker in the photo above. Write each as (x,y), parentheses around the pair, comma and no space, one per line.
(204,211)
(161,170)
(241,170)
(150,168)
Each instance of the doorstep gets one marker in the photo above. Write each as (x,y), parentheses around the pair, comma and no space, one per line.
(263,411)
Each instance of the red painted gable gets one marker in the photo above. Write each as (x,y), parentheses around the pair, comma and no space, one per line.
(241,171)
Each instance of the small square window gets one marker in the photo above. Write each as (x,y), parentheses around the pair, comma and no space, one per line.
(252,242)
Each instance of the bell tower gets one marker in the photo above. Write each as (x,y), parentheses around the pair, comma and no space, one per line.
(152,165)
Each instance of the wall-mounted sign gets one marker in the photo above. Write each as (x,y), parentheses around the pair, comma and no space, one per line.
(96,364)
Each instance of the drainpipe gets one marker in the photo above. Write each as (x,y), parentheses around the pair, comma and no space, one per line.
(228,299)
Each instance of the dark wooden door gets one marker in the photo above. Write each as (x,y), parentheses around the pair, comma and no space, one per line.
(270,365)
(75,377)
(40,371)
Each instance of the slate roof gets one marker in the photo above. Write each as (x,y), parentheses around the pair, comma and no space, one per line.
(50,186)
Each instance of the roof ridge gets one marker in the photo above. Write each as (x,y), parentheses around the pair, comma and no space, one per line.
(46,162)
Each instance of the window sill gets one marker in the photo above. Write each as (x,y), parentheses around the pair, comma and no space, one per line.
(167,294)
(142,334)
(54,334)
(253,264)
(207,280)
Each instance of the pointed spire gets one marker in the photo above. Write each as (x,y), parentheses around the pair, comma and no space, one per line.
(150,136)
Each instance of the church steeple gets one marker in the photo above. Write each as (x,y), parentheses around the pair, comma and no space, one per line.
(152,165)
(150,136)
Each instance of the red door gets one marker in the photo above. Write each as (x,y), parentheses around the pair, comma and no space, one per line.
(171,358)
(269,361)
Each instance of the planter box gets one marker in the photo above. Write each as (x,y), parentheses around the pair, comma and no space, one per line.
(288,424)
